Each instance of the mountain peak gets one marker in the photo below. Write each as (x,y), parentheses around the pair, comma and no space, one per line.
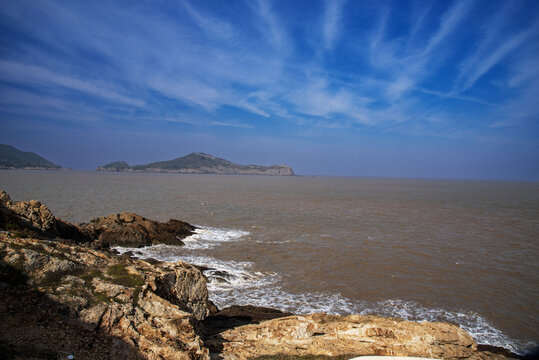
(12,158)
(201,154)
(201,163)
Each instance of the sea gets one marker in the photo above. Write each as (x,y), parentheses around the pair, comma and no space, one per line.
(458,251)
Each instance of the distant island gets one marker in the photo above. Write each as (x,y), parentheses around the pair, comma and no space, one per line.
(15,159)
(200,163)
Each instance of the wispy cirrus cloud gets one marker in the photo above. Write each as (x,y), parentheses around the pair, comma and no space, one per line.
(316,99)
(233,124)
(490,53)
(332,22)
(209,24)
(271,28)
(360,66)
(448,24)
(21,73)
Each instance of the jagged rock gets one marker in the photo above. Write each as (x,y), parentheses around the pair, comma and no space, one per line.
(185,287)
(146,311)
(157,328)
(331,335)
(128,229)
(36,219)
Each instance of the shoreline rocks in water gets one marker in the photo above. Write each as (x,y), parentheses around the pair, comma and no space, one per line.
(132,230)
(31,218)
(72,297)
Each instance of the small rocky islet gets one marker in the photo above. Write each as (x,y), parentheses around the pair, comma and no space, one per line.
(64,291)
(200,163)
(194,163)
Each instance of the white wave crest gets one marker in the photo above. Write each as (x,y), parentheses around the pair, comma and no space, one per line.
(208,237)
(236,283)
(477,326)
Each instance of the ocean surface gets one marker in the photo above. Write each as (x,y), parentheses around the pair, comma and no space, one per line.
(465,252)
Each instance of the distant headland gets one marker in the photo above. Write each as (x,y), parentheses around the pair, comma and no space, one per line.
(15,159)
(194,163)
(200,163)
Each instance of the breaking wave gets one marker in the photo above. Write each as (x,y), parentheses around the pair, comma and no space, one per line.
(237,283)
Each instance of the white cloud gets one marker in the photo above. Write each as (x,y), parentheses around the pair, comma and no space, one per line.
(525,71)
(207,62)
(483,61)
(452,95)
(521,110)
(25,103)
(332,22)
(273,29)
(209,24)
(380,53)
(245,104)
(317,99)
(31,74)
(187,90)
(231,124)
(398,87)
(449,23)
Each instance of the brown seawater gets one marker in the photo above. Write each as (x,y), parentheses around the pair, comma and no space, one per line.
(449,250)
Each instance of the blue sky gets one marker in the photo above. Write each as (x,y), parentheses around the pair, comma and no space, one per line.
(368,88)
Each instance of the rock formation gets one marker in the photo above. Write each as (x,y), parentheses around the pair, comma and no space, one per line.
(61,297)
(35,219)
(332,335)
(147,310)
(128,229)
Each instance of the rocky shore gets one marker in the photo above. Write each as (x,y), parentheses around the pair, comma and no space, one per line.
(63,291)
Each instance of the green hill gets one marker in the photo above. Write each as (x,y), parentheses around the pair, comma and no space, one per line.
(115,166)
(12,158)
(200,163)
(191,161)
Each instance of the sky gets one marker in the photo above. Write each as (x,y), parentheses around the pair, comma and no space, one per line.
(442,89)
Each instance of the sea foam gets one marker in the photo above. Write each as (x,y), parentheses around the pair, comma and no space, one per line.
(237,283)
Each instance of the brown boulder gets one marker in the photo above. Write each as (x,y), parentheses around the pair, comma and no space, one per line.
(184,286)
(128,229)
(35,219)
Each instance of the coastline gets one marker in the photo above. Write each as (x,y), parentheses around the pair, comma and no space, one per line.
(134,308)
(89,246)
